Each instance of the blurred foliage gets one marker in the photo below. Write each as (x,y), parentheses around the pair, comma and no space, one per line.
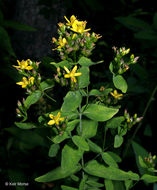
(131,23)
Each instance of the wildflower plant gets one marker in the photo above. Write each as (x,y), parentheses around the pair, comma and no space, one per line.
(89,159)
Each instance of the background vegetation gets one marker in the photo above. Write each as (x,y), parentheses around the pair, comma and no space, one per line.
(132,24)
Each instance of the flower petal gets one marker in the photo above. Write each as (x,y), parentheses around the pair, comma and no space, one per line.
(51,122)
(66,69)
(77,74)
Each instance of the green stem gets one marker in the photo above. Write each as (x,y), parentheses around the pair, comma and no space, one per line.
(49,97)
(140,124)
(103,148)
(82,160)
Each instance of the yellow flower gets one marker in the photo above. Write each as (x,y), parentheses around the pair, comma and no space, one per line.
(115,94)
(24,83)
(79,26)
(71,21)
(55,119)
(61,42)
(72,74)
(24,65)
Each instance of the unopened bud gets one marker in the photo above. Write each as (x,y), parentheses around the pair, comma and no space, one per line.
(18,111)
(56,78)
(39,78)
(37,63)
(19,103)
(54,40)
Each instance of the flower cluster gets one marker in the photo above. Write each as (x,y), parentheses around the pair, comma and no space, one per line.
(74,39)
(150,160)
(61,77)
(131,120)
(121,63)
(29,70)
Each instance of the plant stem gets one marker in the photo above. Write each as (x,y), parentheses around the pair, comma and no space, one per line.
(49,97)
(103,148)
(140,124)
(82,160)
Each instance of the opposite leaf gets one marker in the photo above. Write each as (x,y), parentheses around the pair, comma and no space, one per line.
(99,170)
(33,98)
(80,143)
(120,83)
(83,80)
(70,157)
(72,100)
(99,112)
(118,140)
(53,150)
(63,187)
(56,174)
(89,128)
(25,125)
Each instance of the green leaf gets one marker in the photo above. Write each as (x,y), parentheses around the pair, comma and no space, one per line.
(139,151)
(111,67)
(118,185)
(71,115)
(84,61)
(82,185)
(149,178)
(80,142)
(5,41)
(96,169)
(59,138)
(71,125)
(142,163)
(72,100)
(74,177)
(32,99)
(62,64)
(146,35)
(115,156)
(89,128)
(70,157)
(109,160)
(28,137)
(48,83)
(95,92)
(109,185)
(25,125)
(18,26)
(94,147)
(115,122)
(53,150)
(83,80)
(99,112)
(118,140)
(128,184)
(56,174)
(63,187)
(94,183)
(133,23)
(120,83)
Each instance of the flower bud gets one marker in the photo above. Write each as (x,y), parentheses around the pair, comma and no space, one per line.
(56,78)
(19,103)
(18,111)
